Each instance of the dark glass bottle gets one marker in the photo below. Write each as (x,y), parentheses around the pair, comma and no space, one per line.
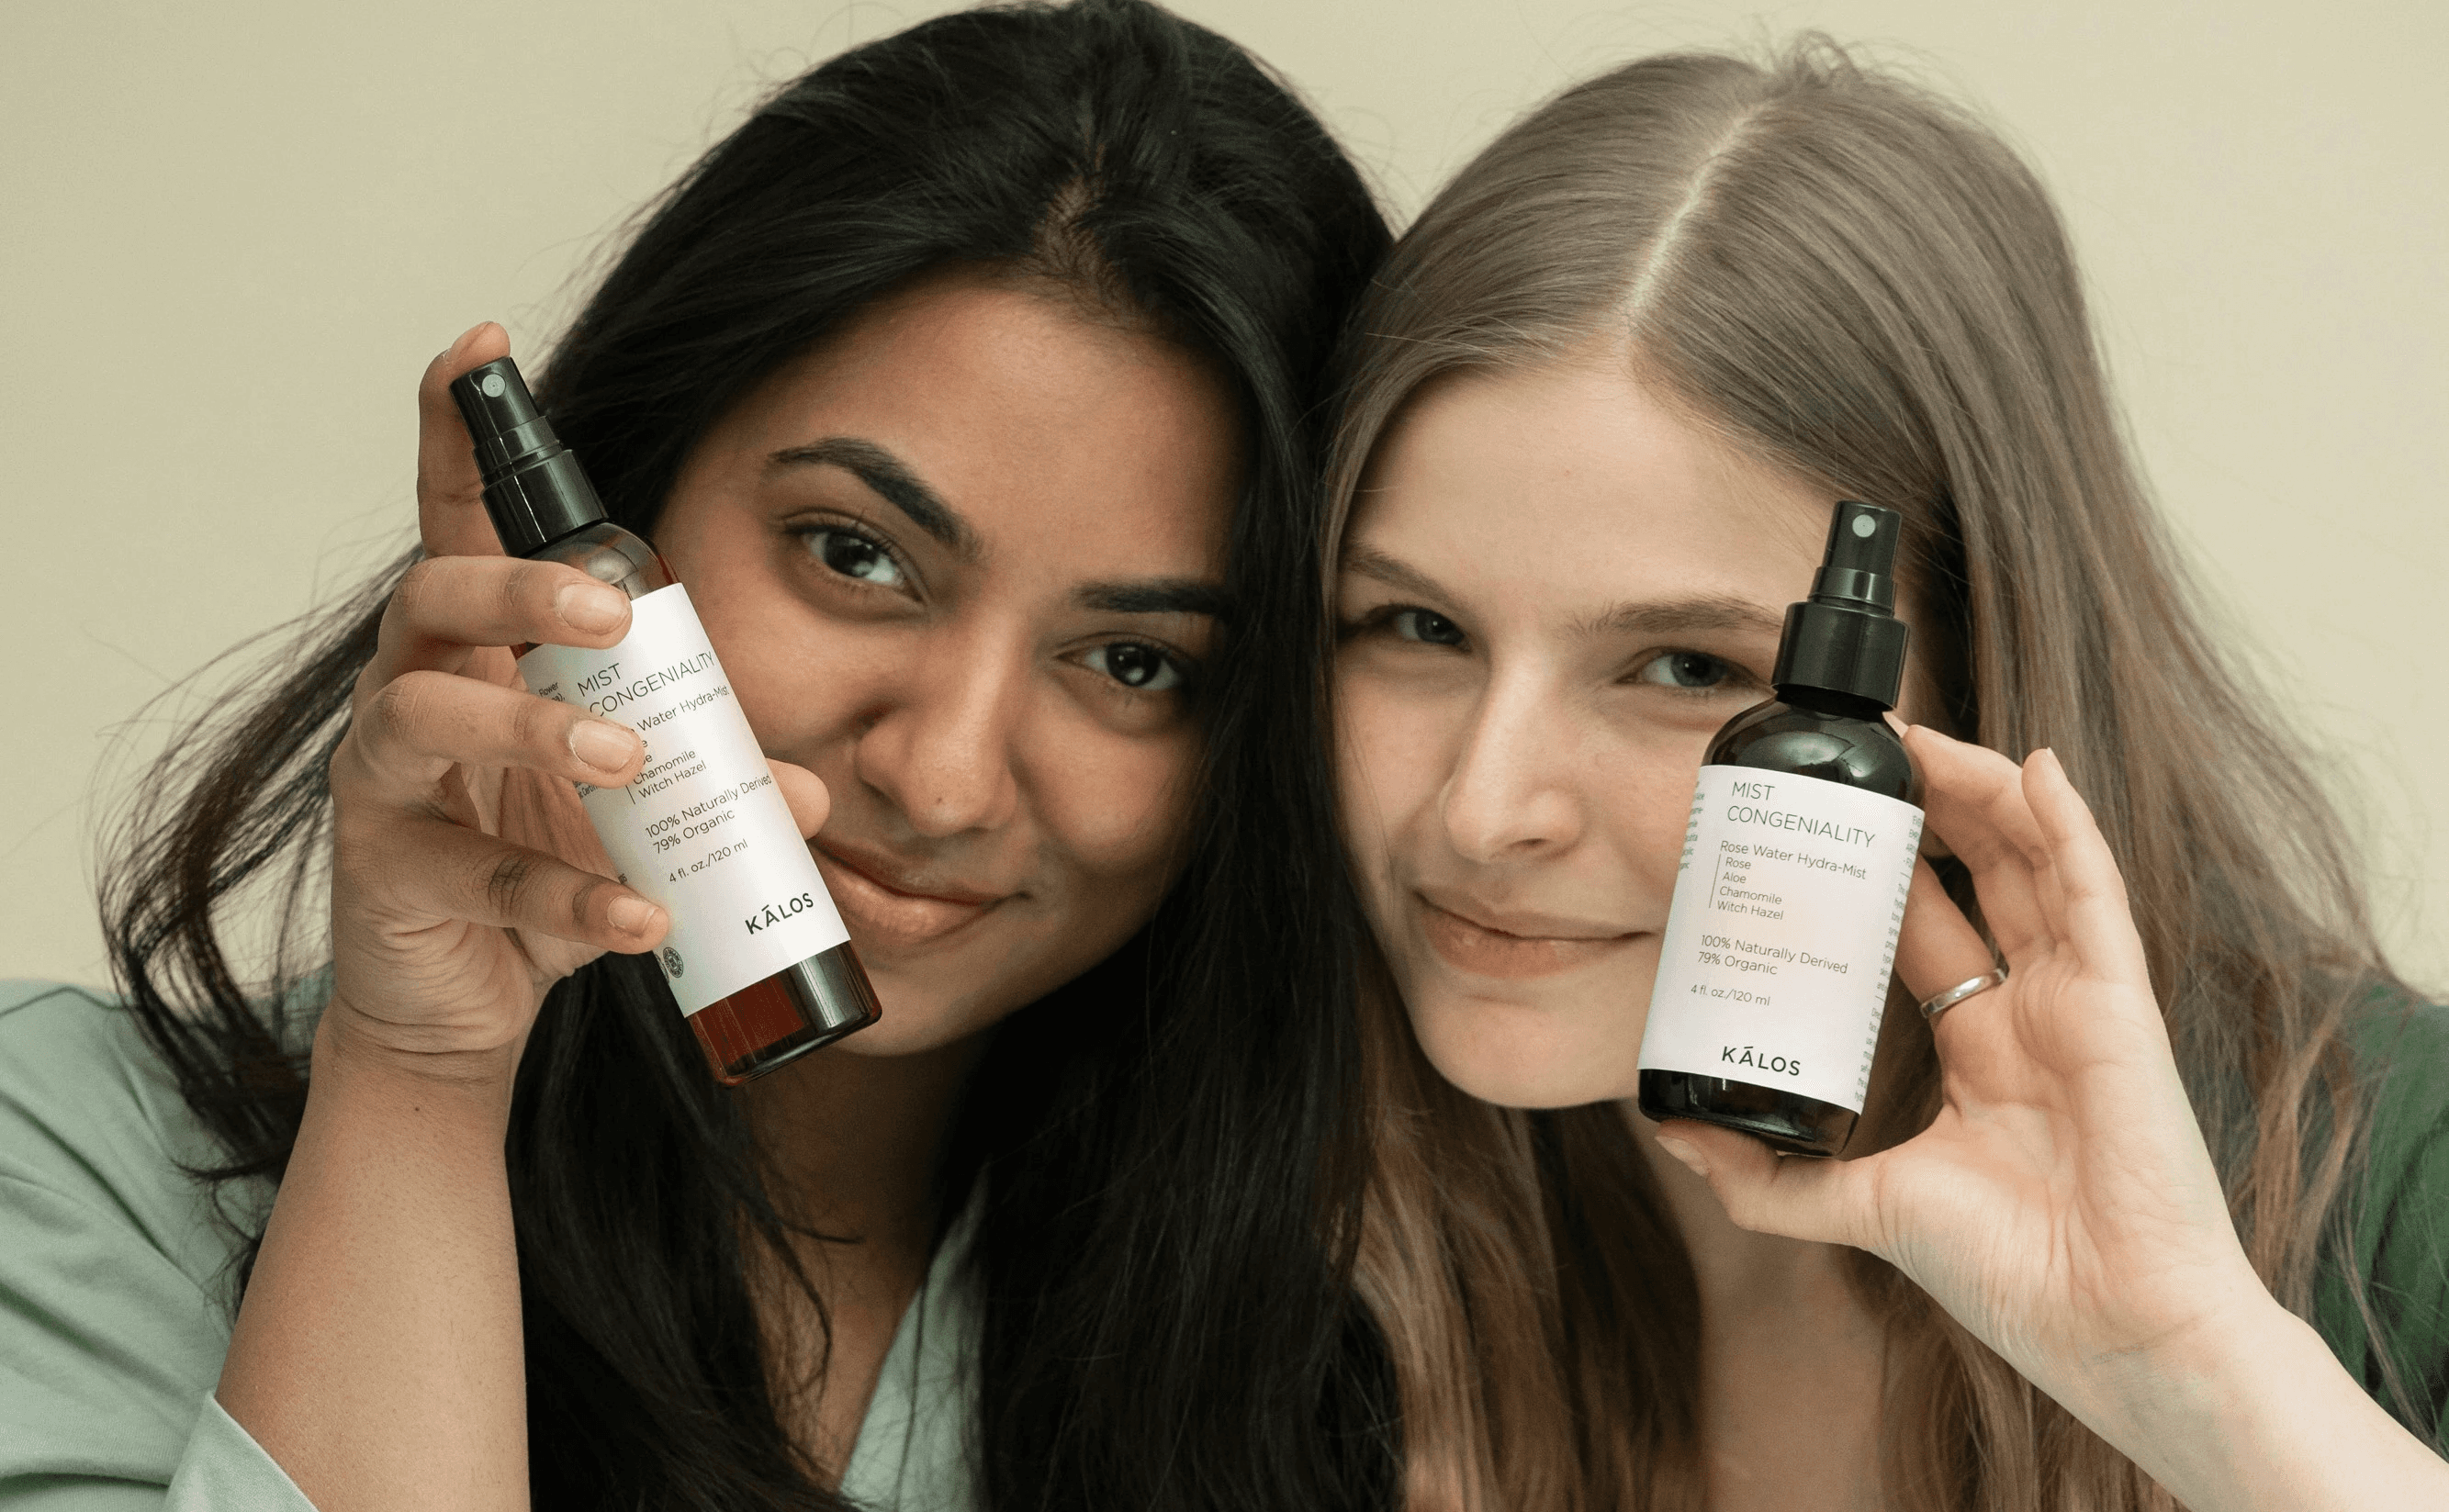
(1839,665)
(544,509)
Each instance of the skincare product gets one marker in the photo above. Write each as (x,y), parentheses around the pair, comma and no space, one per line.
(1773,975)
(757,957)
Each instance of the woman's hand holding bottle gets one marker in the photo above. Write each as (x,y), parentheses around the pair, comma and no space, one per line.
(466,878)
(2063,1206)
(378,1355)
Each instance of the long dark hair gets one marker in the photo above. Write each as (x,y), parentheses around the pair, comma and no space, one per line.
(1156,1138)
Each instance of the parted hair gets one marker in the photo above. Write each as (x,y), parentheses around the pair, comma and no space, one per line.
(1853,279)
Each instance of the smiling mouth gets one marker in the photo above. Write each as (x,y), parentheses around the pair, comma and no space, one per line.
(884,907)
(1469,945)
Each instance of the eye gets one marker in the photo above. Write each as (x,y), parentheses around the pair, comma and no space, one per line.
(1138,665)
(1690,672)
(1424,625)
(856,556)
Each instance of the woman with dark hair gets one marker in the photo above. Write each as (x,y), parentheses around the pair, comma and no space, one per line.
(2159,1214)
(967,387)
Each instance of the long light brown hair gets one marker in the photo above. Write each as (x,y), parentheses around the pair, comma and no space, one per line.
(1852,279)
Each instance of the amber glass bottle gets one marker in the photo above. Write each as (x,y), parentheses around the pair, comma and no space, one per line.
(1774,971)
(757,956)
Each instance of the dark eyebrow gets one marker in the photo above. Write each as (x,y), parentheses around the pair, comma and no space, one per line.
(890,480)
(1155,595)
(1671,617)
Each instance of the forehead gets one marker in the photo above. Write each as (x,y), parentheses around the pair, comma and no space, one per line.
(1023,413)
(1575,476)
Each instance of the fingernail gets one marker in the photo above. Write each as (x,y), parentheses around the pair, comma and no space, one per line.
(601,744)
(1895,721)
(631,915)
(1688,1154)
(589,606)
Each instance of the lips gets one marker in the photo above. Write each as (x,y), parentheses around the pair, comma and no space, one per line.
(886,902)
(1513,945)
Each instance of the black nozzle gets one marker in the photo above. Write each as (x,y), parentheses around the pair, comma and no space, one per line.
(534,487)
(1845,638)
(1860,564)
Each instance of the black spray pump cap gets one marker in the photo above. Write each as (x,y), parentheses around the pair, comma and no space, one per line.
(1845,638)
(533,488)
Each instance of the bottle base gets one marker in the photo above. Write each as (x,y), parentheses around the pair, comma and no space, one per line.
(1782,1120)
(770,1024)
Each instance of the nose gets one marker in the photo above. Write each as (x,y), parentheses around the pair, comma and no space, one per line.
(940,747)
(1511,795)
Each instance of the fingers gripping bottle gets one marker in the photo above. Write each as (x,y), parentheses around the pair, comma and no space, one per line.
(757,958)
(1773,975)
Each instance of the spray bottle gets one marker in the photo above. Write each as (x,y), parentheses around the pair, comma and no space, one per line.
(757,957)
(1773,975)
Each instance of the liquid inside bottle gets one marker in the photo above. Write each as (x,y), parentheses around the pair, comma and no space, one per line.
(1773,975)
(807,1005)
(756,956)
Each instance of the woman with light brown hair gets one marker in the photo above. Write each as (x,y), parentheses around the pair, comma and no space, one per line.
(2159,1219)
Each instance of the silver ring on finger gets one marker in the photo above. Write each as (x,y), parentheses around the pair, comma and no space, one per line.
(1933,1006)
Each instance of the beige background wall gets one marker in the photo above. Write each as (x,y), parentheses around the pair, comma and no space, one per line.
(231,236)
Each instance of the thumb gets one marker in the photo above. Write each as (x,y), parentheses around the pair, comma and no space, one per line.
(1799,1197)
(805,793)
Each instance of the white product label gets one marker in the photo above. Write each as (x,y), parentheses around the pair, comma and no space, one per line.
(1784,930)
(704,831)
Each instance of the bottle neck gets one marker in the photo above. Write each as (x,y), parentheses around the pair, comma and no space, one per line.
(1830,701)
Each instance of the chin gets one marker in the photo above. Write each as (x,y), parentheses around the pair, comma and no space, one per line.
(1519,1056)
(901,1033)
(927,1009)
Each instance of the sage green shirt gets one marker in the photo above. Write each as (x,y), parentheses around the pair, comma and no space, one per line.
(115,1292)
(115,1285)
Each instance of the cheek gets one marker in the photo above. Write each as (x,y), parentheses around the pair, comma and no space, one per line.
(1651,813)
(1112,811)
(789,704)
(1391,762)
(758,626)
(803,680)
(1643,799)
